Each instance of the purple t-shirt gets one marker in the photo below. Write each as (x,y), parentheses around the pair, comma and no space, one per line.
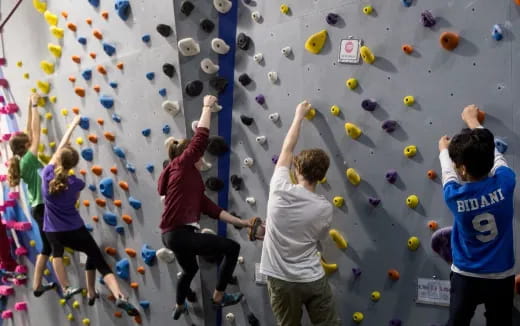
(60,209)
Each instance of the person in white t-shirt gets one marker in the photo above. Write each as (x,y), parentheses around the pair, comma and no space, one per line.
(297,219)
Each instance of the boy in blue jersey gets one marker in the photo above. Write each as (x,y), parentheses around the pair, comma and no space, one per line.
(482,236)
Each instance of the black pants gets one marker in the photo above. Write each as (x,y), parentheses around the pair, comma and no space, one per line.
(79,240)
(187,244)
(468,292)
(37,213)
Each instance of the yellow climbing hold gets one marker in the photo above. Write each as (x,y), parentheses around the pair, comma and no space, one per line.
(55,50)
(367,10)
(71,172)
(79,141)
(353,176)
(53,99)
(70,317)
(41,148)
(19,64)
(40,6)
(25,75)
(352,83)
(52,144)
(45,131)
(412,201)
(47,67)
(46,272)
(315,42)
(86,321)
(84,292)
(43,86)
(328,268)
(338,239)
(33,90)
(284,9)
(410,151)
(75,304)
(366,54)
(408,100)
(41,102)
(63,302)
(413,243)
(338,201)
(310,114)
(57,32)
(335,110)
(352,130)
(51,18)
(375,296)
(358,317)
(44,158)
(32,243)
(48,116)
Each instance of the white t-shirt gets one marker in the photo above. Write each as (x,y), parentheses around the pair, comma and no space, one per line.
(296,220)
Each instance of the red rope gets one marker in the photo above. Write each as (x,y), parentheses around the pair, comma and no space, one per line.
(10,14)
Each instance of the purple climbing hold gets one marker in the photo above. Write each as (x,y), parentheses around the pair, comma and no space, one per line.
(369,104)
(391,176)
(260,99)
(427,19)
(441,243)
(389,125)
(275,158)
(332,18)
(356,271)
(395,322)
(374,201)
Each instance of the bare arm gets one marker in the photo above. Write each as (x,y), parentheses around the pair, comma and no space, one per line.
(66,138)
(205,117)
(228,218)
(35,128)
(293,134)
(28,128)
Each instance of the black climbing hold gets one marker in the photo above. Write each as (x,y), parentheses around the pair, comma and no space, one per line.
(168,69)
(332,18)
(187,7)
(207,25)
(427,19)
(236,182)
(164,30)
(246,120)
(244,79)
(217,146)
(243,41)
(369,105)
(214,183)
(389,125)
(252,320)
(218,83)
(194,88)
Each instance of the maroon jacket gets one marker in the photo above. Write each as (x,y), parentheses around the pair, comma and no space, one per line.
(183,187)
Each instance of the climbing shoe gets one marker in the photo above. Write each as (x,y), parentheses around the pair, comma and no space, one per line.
(228,299)
(92,301)
(123,303)
(179,310)
(69,292)
(44,288)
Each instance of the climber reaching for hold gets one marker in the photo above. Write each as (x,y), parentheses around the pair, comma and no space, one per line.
(24,165)
(181,184)
(65,227)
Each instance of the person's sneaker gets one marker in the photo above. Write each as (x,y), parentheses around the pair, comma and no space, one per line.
(92,301)
(228,299)
(441,243)
(179,310)
(70,292)
(192,296)
(123,303)
(44,288)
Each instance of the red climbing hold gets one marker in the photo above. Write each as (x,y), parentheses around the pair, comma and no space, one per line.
(393,274)
(104,14)
(83,172)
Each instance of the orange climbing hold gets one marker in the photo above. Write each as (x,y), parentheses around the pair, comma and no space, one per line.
(109,136)
(83,172)
(123,185)
(127,219)
(97,170)
(96,88)
(433,225)
(134,285)
(72,26)
(101,70)
(118,203)
(76,58)
(131,252)
(393,274)
(104,14)
(93,55)
(431,174)
(100,121)
(118,314)
(449,40)
(65,14)
(92,138)
(80,91)
(481,116)
(72,79)
(97,34)
(88,21)
(407,48)
(111,251)
(101,202)
(141,270)
(518,4)
(113,169)
(95,218)
(120,65)
(138,319)
(75,110)
(86,203)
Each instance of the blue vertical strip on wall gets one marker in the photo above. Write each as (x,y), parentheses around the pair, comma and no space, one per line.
(227,27)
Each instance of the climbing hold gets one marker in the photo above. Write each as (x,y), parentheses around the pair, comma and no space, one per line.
(72,79)
(85,321)
(148,255)
(412,201)
(249,162)
(88,20)
(352,130)
(70,317)
(409,100)
(57,32)
(222,6)
(123,269)
(82,40)
(243,41)
(244,79)
(449,40)
(146,38)
(146,132)
(164,30)
(284,9)
(496,32)
(274,117)
(219,46)
(207,25)
(149,167)
(71,26)
(171,107)
(261,140)
(367,55)
(97,170)
(433,225)
(427,19)
(258,57)
(106,187)
(44,87)
(94,3)
(87,74)
(407,3)
(136,204)
(332,18)
(187,7)
(75,304)
(315,42)
(50,18)
(375,296)
(393,274)
(116,117)
(338,201)
(214,184)
(246,120)
(110,218)
(251,200)
(256,16)
(353,176)
(53,99)
(93,55)
(407,48)
(286,51)
(166,255)
(162,92)
(367,10)
(369,104)
(40,6)
(123,185)
(113,84)
(123,9)
(97,34)
(217,146)
(358,317)
(168,69)
(92,138)
(150,75)
(87,154)
(47,67)
(431,174)
(101,202)
(166,129)
(120,65)
(413,243)
(130,167)
(79,141)
(188,47)
(310,114)
(501,145)
(101,69)
(194,88)
(118,314)
(104,14)
(107,101)
(389,125)
(374,201)
(109,49)
(141,270)
(20,306)
(395,322)
(118,151)
(230,317)
(351,83)
(410,151)
(92,187)
(126,218)
(208,66)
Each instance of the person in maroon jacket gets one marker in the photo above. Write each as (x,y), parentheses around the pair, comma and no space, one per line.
(181,184)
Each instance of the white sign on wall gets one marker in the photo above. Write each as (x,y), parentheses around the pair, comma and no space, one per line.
(349,51)
(433,292)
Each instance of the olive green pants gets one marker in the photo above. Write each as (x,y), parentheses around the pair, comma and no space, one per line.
(287,299)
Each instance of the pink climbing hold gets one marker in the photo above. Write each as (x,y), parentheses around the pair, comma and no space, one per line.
(4,83)
(23,226)
(2,99)
(6,290)
(21,251)
(20,306)
(3,177)
(21,269)
(9,224)
(10,203)
(6,136)
(2,61)
(14,195)
(7,314)
(12,108)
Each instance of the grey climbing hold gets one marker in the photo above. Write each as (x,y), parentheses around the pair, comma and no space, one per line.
(208,66)
(222,6)
(427,19)
(219,46)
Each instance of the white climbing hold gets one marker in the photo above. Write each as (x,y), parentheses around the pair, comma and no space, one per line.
(261,140)
(256,16)
(286,51)
(222,6)
(208,231)
(194,125)
(188,47)
(219,46)
(259,57)
(272,76)
(240,260)
(274,117)
(206,166)
(172,107)
(179,275)
(230,317)
(248,161)
(166,255)
(208,66)
(251,200)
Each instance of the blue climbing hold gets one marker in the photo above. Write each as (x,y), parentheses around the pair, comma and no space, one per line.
(84,123)
(116,117)
(94,3)
(87,74)
(119,229)
(122,8)
(162,92)
(150,75)
(130,167)
(145,304)
(136,204)
(148,255)
(107,101)
(146,38)
(123,269)
(109,49)
(110,218)
(149,167)
(407,3)
(166,129)
(89,227)
(496,32)
(92,187)
(106,187)
(87,154)
(146,132)
(501,145)
(119,151)
(113,84)
(82,40)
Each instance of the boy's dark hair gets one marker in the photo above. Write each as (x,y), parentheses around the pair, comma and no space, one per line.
(312,164)
(475,149)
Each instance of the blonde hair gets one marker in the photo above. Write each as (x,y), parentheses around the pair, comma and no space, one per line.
(176,146)
(18,145)
(67,159)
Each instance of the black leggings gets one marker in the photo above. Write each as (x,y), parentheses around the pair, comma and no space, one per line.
(187,244)
(37,213)
(79,240)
